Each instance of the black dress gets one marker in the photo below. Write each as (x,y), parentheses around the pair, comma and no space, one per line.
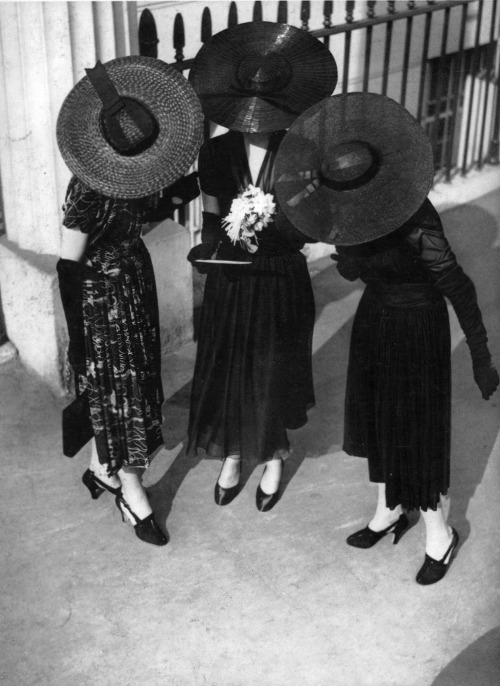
(120,316)
(253,373)
(398,395)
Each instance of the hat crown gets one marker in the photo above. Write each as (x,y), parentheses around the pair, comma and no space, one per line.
(122,131)
(264,73)
(350,164)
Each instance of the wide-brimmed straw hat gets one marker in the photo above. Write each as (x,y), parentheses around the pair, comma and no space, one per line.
(259,76)
(130,127)
(353,168)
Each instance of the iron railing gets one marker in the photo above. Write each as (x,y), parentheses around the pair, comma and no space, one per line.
(438,59)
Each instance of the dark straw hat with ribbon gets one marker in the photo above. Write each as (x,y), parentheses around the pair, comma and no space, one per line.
(130,127)
(353,168)
(259,76)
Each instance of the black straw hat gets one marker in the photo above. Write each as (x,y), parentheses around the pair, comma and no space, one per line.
(130,127)
(353,168)
(259,76)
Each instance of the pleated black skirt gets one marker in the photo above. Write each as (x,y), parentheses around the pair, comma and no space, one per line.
(398,395)
(253,372)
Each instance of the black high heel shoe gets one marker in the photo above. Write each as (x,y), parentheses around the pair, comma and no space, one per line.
(366,538)
(223,496)
(433,570)
(266,501)
(96,486)
(146,529)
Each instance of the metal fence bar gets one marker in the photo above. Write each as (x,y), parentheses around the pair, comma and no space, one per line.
(494,152)
(368,45)
(148,36)
(423,68)
(327,19)
(473,73)
(282,12)
(257,11)
(458,78)
(439,84)
(305,14)
(232,18)
(347,44)
(489,71)
(387,50)
(406,58)
(179,41)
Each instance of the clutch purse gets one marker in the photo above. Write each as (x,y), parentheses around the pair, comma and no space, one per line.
(76,426)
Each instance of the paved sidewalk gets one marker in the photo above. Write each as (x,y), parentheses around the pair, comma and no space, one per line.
(240,597)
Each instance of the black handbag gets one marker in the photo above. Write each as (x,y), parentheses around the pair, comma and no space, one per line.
(76,426)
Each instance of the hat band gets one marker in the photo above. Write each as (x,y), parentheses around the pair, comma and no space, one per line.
(350,165)
(264,74)
(142,129)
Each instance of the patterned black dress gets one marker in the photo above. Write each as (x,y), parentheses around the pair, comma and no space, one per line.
(398,395)
(122,338)
(253,373)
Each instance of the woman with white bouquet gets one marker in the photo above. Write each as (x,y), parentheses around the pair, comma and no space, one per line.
(253,374)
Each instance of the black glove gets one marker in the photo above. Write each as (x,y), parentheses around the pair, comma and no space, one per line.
(211,235)
(203,251)
(346,267)
(71,275)
(161,206)
(486,377)
(185,189)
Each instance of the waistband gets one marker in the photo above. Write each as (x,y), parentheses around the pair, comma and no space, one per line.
(404,295)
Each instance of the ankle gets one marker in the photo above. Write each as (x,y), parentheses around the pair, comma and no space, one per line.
(384,517)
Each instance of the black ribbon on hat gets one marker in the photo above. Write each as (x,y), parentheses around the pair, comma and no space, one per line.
(113,104)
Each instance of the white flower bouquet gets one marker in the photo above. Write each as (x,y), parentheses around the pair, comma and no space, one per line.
(250,212)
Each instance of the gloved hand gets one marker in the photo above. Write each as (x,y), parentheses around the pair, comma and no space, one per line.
(486,377)
(71,275)
(185,189)
(203,251)
(162,205)
(346,267)
(211,235)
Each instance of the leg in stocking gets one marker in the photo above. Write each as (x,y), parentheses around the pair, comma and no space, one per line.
(383,516)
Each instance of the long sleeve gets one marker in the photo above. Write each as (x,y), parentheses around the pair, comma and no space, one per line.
(426,236)
(71,275)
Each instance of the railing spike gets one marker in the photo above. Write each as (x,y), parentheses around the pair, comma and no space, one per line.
(257,11)
(148,36)
(232,19)
(206,25)
(305,14)
(282,12)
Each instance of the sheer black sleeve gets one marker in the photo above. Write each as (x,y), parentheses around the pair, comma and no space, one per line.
(425,234)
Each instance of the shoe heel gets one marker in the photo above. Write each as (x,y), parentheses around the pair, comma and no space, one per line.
(88,481)
(400,528)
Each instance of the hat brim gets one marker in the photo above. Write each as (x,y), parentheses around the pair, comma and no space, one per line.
(375,208)
(214,76)
(173,103)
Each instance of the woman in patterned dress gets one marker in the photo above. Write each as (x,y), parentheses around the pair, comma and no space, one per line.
(105,272)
